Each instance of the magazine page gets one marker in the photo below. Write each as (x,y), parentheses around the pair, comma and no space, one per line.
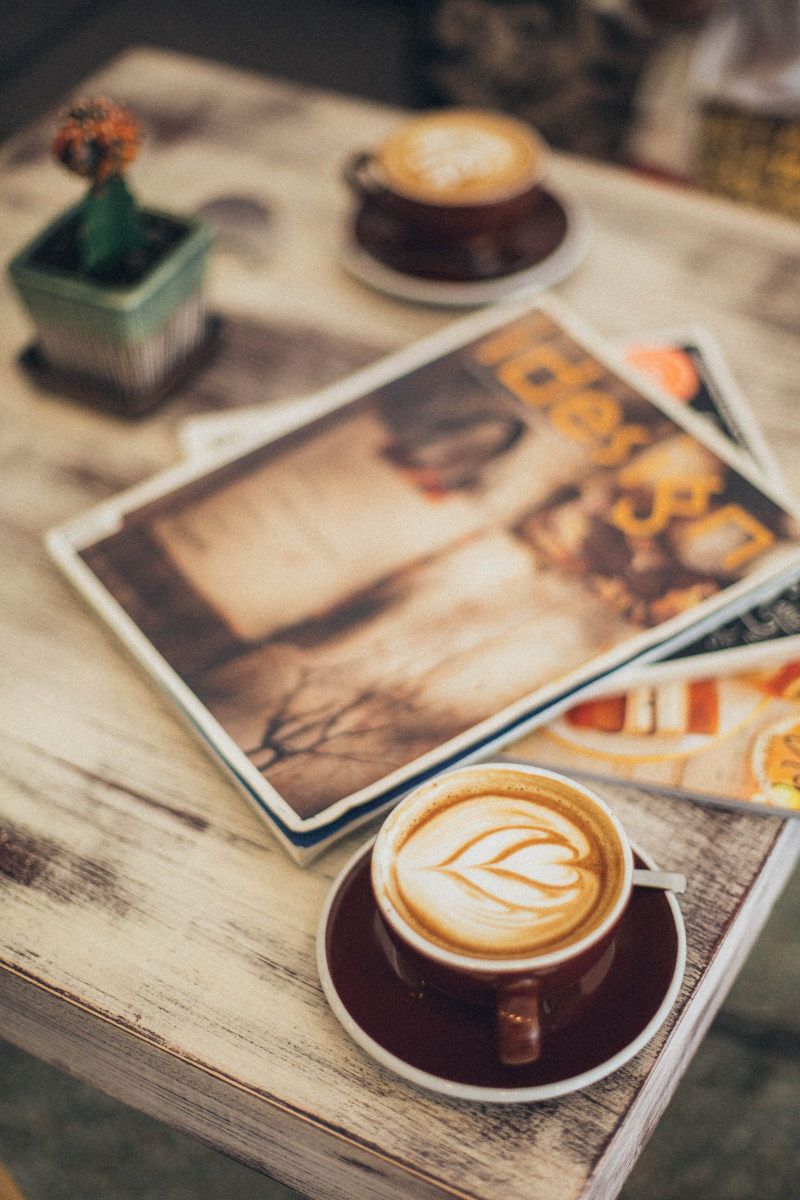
(227,431)
(464,539)
(687,363)
(719,720)
(766,635)
(730,740)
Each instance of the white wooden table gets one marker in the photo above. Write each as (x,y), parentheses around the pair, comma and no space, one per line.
(154,940)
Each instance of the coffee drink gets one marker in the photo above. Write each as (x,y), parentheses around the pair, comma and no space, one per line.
(456,194)
(461,156)
(500,863)
(503,884)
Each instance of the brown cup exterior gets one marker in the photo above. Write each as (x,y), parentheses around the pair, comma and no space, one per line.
(450,222)
(540,995)
(530,1003)
(444,241)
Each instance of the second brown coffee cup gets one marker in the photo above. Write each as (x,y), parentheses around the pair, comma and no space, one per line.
(451,194)
(504,885)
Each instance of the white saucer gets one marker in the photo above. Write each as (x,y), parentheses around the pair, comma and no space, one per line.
(368,999)
(548,271)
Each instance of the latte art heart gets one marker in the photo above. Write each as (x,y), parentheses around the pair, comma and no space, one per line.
(503,875)
(524,877)
(461,156)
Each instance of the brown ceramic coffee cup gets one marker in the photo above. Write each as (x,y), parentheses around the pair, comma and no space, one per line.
(504,884)
(451,194)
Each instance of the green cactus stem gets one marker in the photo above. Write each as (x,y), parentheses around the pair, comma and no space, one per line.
(112,225)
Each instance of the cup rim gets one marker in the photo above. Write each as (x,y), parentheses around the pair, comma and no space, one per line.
(529,179)
(519,965)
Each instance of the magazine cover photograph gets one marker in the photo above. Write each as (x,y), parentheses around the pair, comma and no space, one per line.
(731,740)
(688,364)
(498,520)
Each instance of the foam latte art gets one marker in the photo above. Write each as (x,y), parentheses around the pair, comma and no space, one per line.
(461,157)
(503,874)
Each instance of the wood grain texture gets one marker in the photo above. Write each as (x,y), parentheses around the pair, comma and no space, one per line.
(154,939)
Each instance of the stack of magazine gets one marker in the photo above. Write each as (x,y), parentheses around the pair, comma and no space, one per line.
(511,536)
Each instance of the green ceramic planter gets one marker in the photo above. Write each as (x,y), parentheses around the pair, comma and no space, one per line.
(119,339)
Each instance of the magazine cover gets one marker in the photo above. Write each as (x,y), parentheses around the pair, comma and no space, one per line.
(732,740)
(766,635)
(686,362)
(465,539)
(689,365)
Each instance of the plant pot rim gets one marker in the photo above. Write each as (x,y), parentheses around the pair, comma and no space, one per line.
(58,282)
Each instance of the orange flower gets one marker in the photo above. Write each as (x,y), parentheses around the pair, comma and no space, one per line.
(97,140)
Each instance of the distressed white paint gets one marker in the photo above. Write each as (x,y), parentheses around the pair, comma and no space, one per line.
(154,939)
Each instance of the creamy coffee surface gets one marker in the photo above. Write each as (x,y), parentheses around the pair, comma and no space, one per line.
(504,872)
(461,157)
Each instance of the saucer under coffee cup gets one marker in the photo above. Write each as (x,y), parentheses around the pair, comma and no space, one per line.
(453,195)
(449,1047)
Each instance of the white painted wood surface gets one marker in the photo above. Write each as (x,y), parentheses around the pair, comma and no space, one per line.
(154,939)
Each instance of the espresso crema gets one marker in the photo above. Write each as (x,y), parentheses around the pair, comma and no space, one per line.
(461,156)
(521,868)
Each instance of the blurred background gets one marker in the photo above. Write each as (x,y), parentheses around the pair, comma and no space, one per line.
(705,91)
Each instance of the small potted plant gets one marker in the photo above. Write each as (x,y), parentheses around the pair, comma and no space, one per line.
(115,290)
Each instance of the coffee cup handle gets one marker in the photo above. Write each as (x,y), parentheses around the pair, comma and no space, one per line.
(518,1023)
(357,176)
